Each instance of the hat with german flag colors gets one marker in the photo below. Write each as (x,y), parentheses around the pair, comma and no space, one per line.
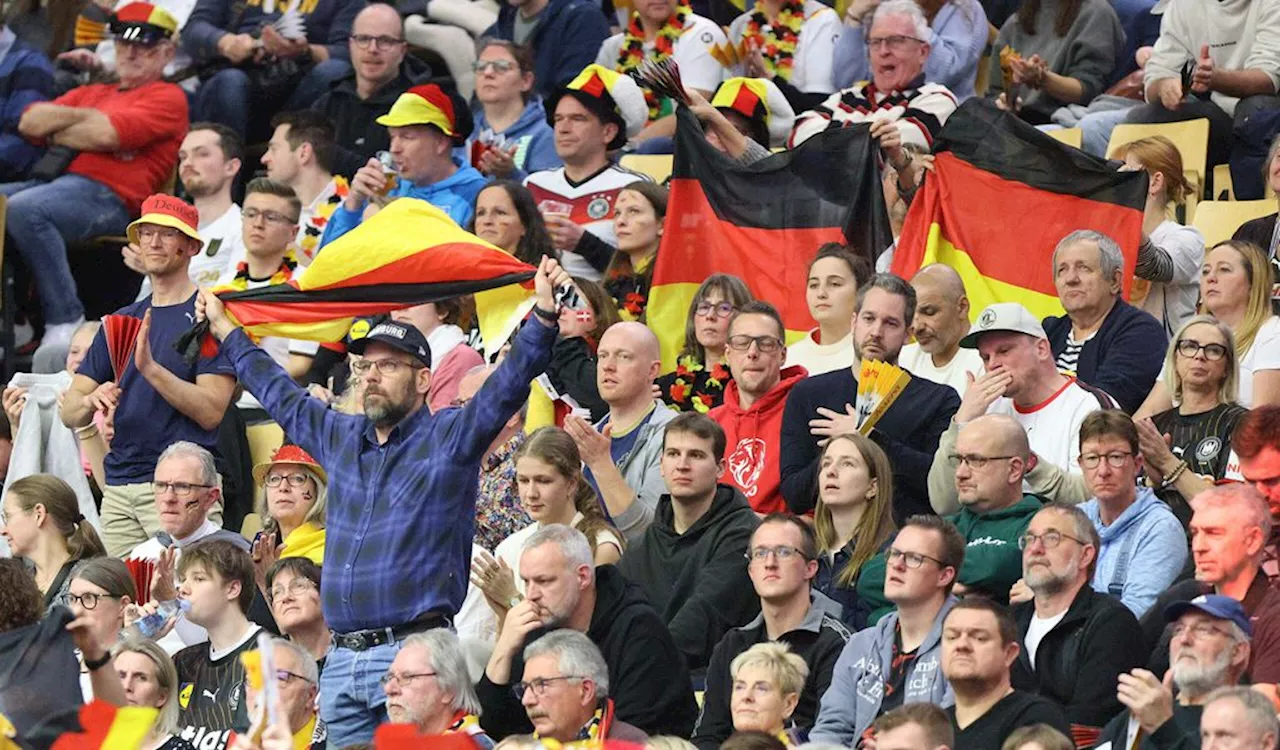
(143,23)
(611,96)
(431,105)
(761,102)
(167,211)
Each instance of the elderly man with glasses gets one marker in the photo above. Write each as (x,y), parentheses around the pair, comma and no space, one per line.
(1143,548)
(1075,641)
(297,684)
(898,660)
(429,688)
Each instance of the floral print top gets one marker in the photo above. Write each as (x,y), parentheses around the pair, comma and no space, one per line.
(499,513)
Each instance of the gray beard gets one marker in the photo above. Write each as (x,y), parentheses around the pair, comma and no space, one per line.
(1047,583)
(1197,680)
(385,413)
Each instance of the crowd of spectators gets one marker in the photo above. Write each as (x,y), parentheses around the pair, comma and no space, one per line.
(1063,533)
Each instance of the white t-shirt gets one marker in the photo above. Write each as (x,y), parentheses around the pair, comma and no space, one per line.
(815,50)
(590,206)
(1173,302)
(1263,355)
(1036,632)
(919,362)
(223,249)
(1053,427)
(475,619)
(508,549)
(819,358)
(692,53)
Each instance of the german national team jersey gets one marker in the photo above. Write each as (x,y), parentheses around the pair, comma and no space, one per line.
(1203,441)
(211,695)
(588,203)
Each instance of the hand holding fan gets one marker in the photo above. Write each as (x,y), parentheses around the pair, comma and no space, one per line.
(879,385)
(121,332)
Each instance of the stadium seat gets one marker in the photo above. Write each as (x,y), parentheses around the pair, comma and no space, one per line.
(656,166)
(983,76)
(1218,220)
(264,438)
(1192,141)
(1224,188)
(1071,136)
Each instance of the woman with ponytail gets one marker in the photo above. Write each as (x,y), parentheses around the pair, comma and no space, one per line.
(553,491)
(41,521)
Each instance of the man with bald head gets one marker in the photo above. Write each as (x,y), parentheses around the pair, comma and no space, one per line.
(941,320)
(622,452)
(381,71)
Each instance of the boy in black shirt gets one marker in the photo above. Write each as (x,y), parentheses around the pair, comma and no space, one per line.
(979,645)
(217,581)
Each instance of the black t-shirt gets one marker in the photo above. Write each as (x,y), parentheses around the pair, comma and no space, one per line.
(1015,710)
(896,682)
(211,695)
(1203,441)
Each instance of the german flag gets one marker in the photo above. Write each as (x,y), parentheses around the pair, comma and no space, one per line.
(409,253)
(1001,196)
(762,222)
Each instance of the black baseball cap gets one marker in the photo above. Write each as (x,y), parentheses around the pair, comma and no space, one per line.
(403,336)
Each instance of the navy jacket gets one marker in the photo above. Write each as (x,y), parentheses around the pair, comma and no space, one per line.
(1123,358)
(26,77)
(908,432)
(567,39)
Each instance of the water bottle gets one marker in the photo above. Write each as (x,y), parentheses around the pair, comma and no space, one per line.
(149,625)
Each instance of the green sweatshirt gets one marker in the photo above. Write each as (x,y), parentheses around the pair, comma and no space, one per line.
(992,560)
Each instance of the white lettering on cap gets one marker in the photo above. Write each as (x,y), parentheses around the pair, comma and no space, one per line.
(387,330)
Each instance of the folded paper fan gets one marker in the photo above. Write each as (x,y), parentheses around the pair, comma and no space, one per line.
(662,77)
(291,25)
(879,385)
(121,332)
(141,571)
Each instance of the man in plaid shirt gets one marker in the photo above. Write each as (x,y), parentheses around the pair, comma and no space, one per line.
(402,490)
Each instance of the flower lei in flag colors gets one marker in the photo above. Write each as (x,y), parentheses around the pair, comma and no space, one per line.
(241,280)
(682,390)
(313,230)
(664,46)
(777,41)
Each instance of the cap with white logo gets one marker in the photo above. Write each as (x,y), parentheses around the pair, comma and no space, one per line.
(403,336)
(1004,316)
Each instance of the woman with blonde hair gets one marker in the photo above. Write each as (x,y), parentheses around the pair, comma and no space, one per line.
(767,679)
(1201,371)
(1169,258)
(291,504)
(1235,288)
(853,519)
(42,522)
(553,490)
(150,680)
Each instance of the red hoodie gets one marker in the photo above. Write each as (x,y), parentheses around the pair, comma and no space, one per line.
(753,439)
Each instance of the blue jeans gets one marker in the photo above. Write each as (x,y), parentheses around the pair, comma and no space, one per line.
(43,218)
(229,95)
(352,703)
(1096,127)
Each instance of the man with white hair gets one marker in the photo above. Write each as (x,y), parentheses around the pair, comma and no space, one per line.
(1238,718)
(1103,340)
(565,691)
(564,590)
(428,686)
(297,682)
(901,109)
(1210,650)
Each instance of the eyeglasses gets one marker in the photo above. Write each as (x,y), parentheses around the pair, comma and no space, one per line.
(782,552)
(539,686)
(499,66)
(385,366)
(766,344)
(285,676)
(295,480)
(913,560)
(179,489)
(1212,352)
(296,587)
(403,678)
(895,42)
(1114,460)
(88,601)
(1051,539)
(168,235)
(364,41)
(1198,631)
(720,309)
(271,217)
(4,516)
(973,460)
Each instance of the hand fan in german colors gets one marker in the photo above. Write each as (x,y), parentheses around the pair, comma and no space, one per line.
(879,385)
(121,332)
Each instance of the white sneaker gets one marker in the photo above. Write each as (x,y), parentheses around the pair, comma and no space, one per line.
(51,355)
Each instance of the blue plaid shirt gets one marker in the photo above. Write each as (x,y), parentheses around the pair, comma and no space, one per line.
(401,515)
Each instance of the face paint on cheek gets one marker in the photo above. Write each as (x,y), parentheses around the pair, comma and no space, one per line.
(306,495)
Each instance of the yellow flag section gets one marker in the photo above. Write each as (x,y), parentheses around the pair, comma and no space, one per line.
(408,253)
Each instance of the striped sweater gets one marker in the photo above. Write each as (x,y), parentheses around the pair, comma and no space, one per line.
(919,111)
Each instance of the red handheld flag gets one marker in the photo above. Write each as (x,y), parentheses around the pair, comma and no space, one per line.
(121,332)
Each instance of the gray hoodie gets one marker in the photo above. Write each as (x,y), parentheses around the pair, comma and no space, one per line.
(643,473)
(852,702)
